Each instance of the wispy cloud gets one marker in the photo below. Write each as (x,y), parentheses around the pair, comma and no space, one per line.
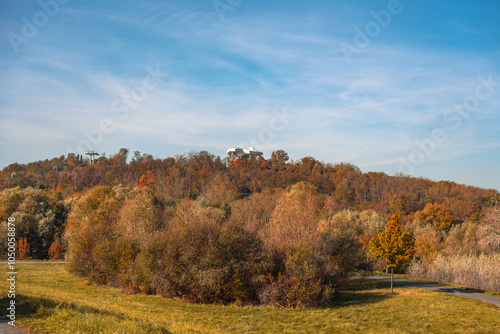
(226,80)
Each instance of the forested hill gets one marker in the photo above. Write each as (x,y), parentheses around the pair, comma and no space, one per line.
(196,174)
(146,223)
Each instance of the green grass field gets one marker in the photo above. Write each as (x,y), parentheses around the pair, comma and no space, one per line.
(50,300)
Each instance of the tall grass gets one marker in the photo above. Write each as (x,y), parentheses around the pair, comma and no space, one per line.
(479,272)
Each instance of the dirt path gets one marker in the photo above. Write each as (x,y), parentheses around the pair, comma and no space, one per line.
(457,292)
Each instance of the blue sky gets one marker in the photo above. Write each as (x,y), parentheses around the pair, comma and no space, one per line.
(393,86)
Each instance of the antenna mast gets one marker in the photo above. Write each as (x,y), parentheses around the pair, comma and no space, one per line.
(92,154)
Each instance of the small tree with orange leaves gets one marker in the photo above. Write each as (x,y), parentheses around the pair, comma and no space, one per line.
(393,245)
(23,249)
(55,251)
(60,187)
(143,181)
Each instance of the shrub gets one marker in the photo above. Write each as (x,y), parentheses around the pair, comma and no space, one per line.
(341,236)
(207,258)
(140,216)
(305,272)
(306,281)
(295,219)
(90,234)
(255,211)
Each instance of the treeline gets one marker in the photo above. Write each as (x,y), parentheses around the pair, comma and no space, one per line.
(192,175)
(40,220)
(206,229)
(468,254)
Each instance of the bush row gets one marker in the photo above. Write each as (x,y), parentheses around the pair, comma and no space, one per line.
(274,247)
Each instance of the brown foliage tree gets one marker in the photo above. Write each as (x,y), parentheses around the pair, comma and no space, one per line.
(278,159)
(295,219)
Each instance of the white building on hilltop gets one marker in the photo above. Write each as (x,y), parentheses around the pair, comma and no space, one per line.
(239,152)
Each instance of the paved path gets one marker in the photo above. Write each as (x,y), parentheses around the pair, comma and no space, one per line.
(5,328)
(457,292)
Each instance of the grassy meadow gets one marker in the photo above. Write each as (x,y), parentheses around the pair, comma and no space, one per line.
(50,300)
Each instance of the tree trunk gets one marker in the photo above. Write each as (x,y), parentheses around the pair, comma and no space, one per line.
(392,278)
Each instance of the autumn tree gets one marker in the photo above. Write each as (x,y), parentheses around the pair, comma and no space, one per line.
(60,187)
(341,235)
(295,219)
(91,232)
(143,181)
(120,158)
(308,275)
(462,240)
(428,244)
(140,216)
(23,249)
(55,251)
(436,215)
(393,245)
(35,220)
(255,211)
(219,192)
(278,159)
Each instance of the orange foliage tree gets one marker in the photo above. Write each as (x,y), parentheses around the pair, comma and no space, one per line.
(438,216)
(143,181)
(24,250)
(393,245)
(55,251)
(428,244)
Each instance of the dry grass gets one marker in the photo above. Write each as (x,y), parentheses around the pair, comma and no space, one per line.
(478,272)
(53,301)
